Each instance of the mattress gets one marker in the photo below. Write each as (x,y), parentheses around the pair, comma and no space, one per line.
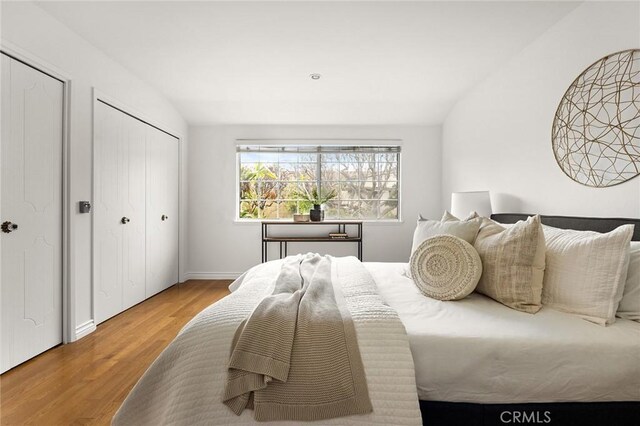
(477,350)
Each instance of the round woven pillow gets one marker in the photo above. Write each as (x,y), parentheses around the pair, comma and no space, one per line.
(445,267)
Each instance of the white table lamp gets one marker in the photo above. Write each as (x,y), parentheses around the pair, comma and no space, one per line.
(463,203)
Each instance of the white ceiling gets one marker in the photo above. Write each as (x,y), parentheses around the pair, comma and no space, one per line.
(241,62)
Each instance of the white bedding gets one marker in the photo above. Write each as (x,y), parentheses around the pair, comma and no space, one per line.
(184,385)
(477,350)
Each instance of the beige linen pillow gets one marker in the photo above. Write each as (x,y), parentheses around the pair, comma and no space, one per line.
(586,271)
(445,267)
(426,228)
(629,307)
(446,217)
(513,262)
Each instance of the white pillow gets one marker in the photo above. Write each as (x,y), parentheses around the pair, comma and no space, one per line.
(586,271)
(425,228)
(505,225)
(629,307)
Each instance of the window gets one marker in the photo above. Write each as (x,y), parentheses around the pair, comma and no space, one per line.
(277,181)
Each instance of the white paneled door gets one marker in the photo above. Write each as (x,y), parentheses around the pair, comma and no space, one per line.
(134,240)
(119,212)
(30,213)
(162,210)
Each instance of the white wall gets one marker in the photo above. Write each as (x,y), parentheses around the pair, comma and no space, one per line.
(220,247)
(499,136)
(28,29)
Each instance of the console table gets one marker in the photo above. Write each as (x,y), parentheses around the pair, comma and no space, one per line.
(285,239)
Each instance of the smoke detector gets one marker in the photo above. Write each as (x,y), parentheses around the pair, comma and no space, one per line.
(315,76)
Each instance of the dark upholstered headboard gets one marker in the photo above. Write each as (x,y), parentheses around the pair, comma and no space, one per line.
(598,224)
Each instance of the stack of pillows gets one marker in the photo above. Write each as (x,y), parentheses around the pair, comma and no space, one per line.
(526,265)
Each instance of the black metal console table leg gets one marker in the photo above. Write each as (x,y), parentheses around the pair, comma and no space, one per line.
(360,241)
(264,244)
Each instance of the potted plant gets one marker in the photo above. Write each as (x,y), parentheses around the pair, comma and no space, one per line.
(317,198)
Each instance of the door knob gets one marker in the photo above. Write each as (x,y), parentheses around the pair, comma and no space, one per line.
(8,227)
(125,220)
(164,217)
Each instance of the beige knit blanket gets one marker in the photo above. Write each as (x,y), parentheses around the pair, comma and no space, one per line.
(296,357)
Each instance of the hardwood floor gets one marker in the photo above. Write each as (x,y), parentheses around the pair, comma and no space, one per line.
(84,383)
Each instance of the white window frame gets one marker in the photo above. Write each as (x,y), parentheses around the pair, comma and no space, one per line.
(269,144)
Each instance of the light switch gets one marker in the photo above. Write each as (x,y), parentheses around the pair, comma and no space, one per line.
(85,206)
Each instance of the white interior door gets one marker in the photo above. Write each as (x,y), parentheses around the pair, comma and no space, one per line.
(134,240)
(31,199)
(162,210)
(119,212)
(108,212)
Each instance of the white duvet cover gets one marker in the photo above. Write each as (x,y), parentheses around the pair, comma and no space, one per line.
(477,350)
(184,385)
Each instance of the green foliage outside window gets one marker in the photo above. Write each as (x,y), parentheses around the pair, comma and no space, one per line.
(351,185)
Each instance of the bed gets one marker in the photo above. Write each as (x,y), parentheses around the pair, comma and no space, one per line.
(565,409)
(479,351)
(186,383)
(471,361)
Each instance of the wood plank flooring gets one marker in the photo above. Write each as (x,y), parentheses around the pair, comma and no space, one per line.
(84,383)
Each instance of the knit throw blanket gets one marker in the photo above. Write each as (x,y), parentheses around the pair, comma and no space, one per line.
(296,357)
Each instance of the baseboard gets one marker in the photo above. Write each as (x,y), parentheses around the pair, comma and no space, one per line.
(85,329)
(211,275)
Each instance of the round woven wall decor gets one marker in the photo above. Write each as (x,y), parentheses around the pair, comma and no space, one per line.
(445,267)
(596,130)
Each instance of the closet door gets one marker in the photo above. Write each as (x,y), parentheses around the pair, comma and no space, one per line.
(162,210)
(119,212)
(108,212)
(31,213)
(134,239)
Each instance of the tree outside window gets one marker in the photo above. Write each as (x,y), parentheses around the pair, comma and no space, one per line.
(364,179)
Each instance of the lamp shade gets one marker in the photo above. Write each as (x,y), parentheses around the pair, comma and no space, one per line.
(463,203)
